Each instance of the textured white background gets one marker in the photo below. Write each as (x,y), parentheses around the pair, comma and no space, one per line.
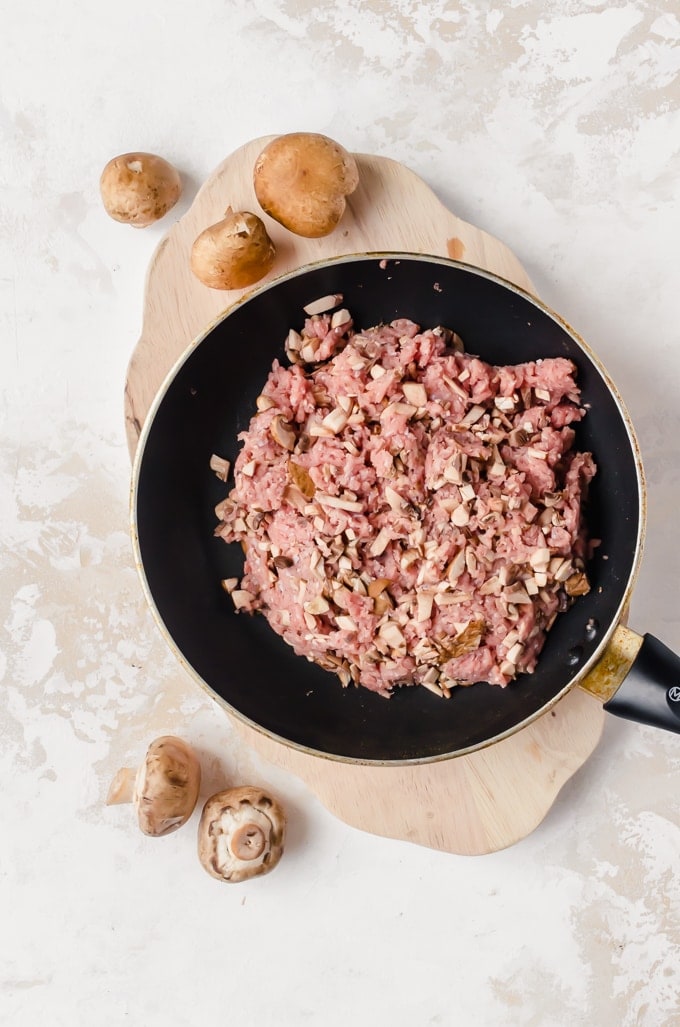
(556,127)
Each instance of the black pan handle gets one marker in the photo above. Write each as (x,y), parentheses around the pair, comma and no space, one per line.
(650,692)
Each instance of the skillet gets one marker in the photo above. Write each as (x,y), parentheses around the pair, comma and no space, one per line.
(209,397)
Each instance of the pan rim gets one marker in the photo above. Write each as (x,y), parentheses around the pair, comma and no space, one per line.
(389,255)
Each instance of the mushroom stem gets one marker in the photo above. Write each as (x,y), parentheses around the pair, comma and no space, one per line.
(248,842)
(122,787)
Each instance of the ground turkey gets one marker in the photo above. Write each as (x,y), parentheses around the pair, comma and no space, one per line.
(410,513)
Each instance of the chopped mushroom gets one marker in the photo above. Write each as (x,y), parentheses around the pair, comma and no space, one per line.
(241,834)
(577,585)
(220,466)
(164,790)
(323,304)
(283,433)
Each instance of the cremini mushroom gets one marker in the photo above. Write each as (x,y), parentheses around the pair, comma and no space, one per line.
(241,834)
(301,180)
(234,253)
(139,188)
(164,790)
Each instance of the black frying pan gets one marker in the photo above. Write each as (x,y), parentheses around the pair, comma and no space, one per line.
(210,396)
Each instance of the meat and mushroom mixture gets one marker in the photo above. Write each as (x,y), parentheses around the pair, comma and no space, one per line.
(409,513)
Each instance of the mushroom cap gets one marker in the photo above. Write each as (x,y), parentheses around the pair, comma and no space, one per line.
(166,786)
(301,180)
(139,188)
(241,834)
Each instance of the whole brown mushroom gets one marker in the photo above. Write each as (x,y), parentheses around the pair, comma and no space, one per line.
(241,834)
(234,253)
(301,180)
(139,188)
(164,790)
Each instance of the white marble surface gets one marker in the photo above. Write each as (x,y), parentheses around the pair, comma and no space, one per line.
(556,127)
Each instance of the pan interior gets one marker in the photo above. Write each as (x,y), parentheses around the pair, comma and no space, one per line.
(210,398)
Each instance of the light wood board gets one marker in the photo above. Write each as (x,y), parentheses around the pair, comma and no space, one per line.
(473,804)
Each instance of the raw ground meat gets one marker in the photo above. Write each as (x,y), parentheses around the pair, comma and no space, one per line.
(410,514)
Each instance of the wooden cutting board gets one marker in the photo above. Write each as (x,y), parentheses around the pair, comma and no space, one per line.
(469,805)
